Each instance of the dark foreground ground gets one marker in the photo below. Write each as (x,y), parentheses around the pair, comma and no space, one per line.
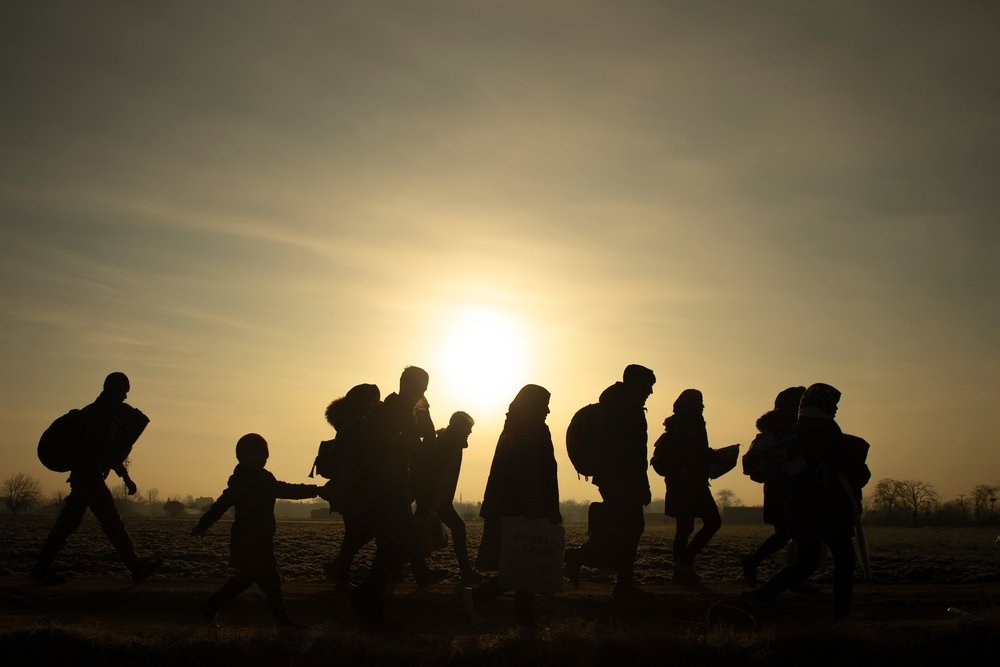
(934,599)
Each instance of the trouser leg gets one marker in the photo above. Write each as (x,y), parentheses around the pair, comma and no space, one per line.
(393,525)
(711,522)
(269,582)
(358,532)
(795,574)
(238,583)
(74,507)
(450,518)
(685,526)
(770,546)
(102,504)
(842,550)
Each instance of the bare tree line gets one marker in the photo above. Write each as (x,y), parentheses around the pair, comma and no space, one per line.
(890,501)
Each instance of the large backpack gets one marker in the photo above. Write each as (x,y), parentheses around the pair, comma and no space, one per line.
(584,438)
(59,446)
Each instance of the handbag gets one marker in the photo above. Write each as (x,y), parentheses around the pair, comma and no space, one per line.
(531,555)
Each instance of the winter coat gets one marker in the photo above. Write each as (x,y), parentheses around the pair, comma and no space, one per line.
(686,458)
(621,473)
(252,491)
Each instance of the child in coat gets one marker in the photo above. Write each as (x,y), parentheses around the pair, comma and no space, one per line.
(252,490)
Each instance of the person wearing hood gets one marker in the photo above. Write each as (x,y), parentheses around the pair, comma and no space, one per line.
(773,427)
(522,482)
(823,506)
(345,415)
(683,457)
(617,523)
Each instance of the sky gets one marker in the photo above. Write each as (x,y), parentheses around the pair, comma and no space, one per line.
(249,207)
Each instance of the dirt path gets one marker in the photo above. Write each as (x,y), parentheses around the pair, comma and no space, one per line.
(170,606)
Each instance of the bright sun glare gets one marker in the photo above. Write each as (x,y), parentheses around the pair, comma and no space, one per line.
(482,359)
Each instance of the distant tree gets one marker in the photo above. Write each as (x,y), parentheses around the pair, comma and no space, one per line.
(984,503)
(153,496)
(173,508)
(20,492)
(726,498)
(953,512)
(887,497)
(917,497)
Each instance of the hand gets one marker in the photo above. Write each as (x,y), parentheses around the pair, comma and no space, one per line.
(130,486)
(325,492)
(199,531)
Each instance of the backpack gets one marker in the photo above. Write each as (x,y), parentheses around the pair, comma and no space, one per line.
(756,458)
(584,438)
(59,446)
(785,465)
(328,459)
(664,462)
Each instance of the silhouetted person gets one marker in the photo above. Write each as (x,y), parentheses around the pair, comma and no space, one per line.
(346,488)
(823,504)
(623,484)
(391,432)
(252,490)
(682,452)
(110,427)
(438,479)
(522,482)
(773,427)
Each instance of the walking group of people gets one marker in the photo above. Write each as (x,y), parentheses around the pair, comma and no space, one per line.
(387,458)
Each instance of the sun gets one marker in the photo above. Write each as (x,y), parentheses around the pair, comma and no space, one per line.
(482,359)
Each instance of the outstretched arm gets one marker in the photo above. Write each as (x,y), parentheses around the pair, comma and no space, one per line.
(295,491)
(214,513)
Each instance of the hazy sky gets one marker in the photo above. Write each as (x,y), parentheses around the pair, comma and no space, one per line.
(250,207)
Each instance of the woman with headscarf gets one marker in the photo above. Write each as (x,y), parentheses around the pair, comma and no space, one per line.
(683,457)
(522,482)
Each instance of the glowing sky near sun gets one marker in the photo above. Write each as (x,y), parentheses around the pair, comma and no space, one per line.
(249,211)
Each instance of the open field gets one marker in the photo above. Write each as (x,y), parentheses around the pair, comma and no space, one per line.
(902,614)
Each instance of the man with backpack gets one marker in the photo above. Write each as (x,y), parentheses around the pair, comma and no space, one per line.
(618,438)
(108,428)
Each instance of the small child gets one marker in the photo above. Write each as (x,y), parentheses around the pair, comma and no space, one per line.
(252,490)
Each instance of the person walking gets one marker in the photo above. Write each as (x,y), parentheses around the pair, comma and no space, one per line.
(522,482)
(617,523)
(109,429)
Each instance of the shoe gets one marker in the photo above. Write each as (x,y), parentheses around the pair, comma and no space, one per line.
(145,568)
(749,572)
(431,577)
(631,592)
(45,575)
(469,606)
(572,561)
